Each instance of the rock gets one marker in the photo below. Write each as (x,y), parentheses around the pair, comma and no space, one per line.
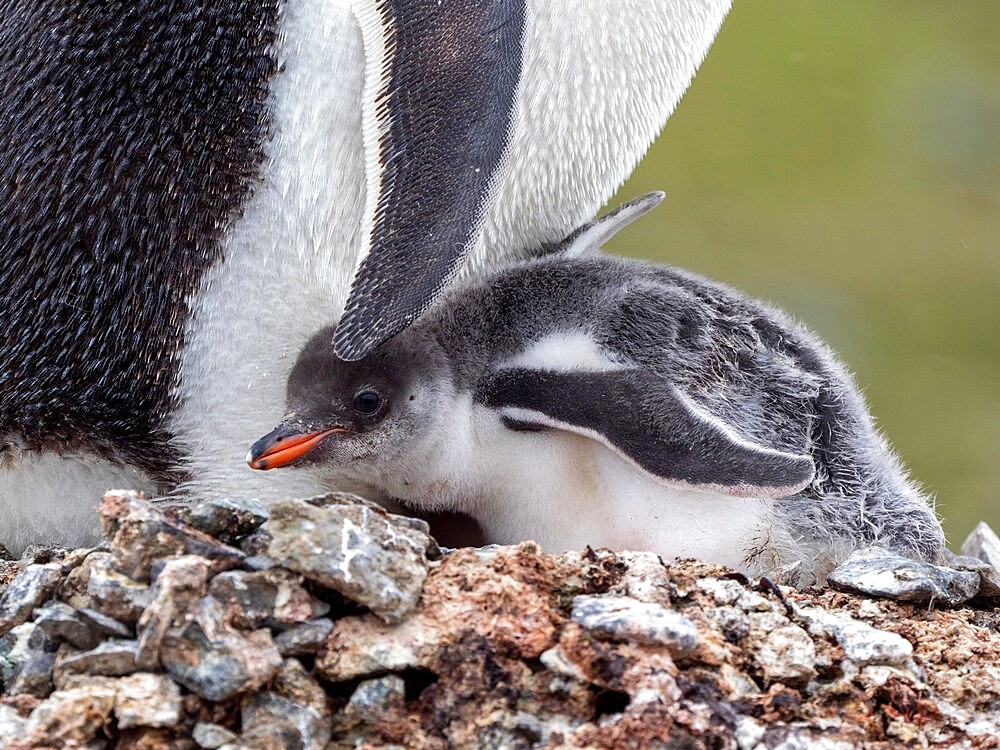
(212,736)
(147,700)
(373,699)
(304,639)
(506,647)
(141,534)
(27,660)
(983,544)
(180,585)
(95,584)
(30,587)
(495,594)
(862,644)
(787,655)
(110,658)
(273,597)
(646,578)
(877,572)
(355,549)
(295,707)
(622,618)
(12,724)
(226,519)
(989,577)
(645,672)
(71,718)
(214,660)
(42,553)
(82,629)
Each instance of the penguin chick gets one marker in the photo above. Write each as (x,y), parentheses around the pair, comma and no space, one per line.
(579,399)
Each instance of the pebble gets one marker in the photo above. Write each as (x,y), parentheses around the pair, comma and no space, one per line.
(83,629)
(304,639)
(97,585)
(71,718)
(226,519)
(273,597)
(147,700)
(984,545)
(141,534)
(181,583)
(862,644)
(212,736)
(875,571)
(30,587)
(373,699)
(357,550)
(787,655)
(293,708)
(112,658)
(12,724)
(211,658)
(622,618)
(27,660)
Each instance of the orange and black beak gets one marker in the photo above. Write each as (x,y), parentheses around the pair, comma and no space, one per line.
(283,445)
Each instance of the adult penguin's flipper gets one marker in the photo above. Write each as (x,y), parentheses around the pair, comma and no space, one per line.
(440,86)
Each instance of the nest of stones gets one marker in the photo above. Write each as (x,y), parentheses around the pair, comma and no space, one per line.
(329,623)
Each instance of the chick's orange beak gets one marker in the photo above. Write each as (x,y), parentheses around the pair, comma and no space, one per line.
(281,447)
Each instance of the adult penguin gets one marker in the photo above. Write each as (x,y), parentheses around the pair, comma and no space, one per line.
(183,185)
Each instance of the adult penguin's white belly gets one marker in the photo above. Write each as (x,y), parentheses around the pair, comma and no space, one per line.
(287,263)
(587,86)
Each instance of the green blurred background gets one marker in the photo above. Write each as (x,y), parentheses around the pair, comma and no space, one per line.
(842,159)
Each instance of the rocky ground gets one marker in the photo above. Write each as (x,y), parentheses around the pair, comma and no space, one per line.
(329,623)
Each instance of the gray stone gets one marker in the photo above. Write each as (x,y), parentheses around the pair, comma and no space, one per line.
(147,700)
(862,644)
(255,546)
(622,618)
(984,545)
(141,534)
(989,577)
(877,572)
(182,582)
(96,585)
(111,658)
(373,699)
(212,736)
(304,639)
(30,587)
(274,597)
(211,658)
(27,659)
(295,707)
(81,629)
(355,549)
(226,519)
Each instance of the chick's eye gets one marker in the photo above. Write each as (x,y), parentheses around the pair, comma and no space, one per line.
(367,402)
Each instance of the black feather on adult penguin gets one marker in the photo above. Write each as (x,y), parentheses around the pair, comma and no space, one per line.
(133,133)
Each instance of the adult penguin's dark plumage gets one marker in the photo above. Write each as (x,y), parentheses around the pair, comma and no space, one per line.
(183,185)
